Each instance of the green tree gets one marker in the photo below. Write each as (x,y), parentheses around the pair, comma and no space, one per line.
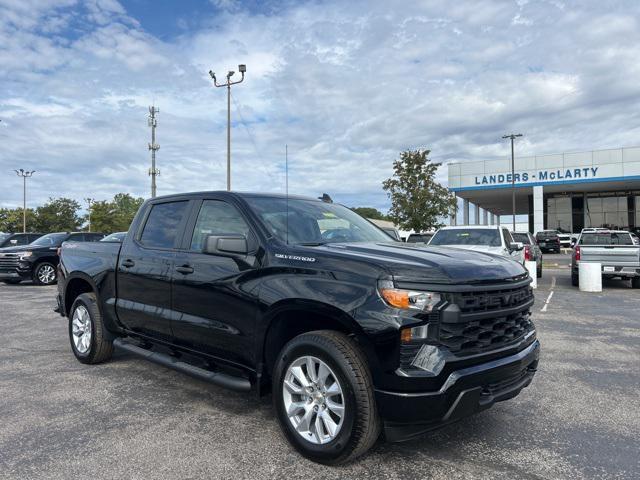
(58,215)
(370,212)
(11,220)
(115,215)
(417,200)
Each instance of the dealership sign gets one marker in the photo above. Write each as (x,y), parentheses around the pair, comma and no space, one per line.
(538,176)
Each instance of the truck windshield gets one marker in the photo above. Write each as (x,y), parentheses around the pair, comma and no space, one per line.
(50,240)
(314,223)
(467,236)
(621,238)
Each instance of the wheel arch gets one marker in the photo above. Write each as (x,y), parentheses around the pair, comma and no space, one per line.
(291,318)
(77,284)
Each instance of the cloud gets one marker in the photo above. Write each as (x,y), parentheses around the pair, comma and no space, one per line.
(346,86)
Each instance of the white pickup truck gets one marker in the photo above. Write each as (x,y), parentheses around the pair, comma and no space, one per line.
(615,250)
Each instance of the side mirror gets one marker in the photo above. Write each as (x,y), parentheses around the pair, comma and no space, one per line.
(516,246)
(226,245)
(13,241)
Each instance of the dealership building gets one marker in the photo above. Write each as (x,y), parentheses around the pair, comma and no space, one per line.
(566,191)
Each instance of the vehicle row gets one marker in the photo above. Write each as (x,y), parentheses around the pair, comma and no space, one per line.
(33,256)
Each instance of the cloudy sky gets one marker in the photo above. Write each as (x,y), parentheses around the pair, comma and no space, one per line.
(346,84)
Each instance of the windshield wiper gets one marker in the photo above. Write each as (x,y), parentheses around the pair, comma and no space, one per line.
(311,244)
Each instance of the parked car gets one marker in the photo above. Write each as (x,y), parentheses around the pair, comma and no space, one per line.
(532,252)
(115,237)
(548,241)
(481,238)
(38,260)
(635,238)
(565,239)
(351,333)
(16,239)
(419,237)
(615,250)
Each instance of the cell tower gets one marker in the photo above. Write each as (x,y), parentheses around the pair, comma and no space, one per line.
(153,146)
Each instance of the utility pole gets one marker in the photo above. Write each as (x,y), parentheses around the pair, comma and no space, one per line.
(242,69)
(512,136)
(24,174)
(153,146)
(89,202)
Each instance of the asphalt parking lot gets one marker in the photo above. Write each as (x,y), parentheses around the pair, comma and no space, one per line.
(132,419)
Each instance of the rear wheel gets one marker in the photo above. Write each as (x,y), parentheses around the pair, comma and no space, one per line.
(44,274)
(575,280)
(323,396)
(539,271)
(88,337)
(635,282)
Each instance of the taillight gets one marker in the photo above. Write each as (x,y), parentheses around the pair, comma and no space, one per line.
(576,252)
(527,253)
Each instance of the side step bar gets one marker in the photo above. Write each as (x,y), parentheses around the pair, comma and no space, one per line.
(221,379)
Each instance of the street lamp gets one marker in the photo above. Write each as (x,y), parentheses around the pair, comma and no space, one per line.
(24,174)
(242,69)
(513,178)
(89,202)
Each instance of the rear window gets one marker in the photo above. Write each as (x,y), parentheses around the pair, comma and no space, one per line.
(161,228)
(521,237)
(419,238)
(471,236)
(606,239)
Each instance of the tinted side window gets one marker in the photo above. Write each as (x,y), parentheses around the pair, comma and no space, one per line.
(161,227)
(93,237)
(76,237)
(21,239)
(217,218)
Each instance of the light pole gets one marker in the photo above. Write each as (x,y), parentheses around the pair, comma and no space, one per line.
(242,69)
(24,174)
(513,178)
(89,202)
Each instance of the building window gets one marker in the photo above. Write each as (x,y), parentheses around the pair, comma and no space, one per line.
(559,214)
(607,212)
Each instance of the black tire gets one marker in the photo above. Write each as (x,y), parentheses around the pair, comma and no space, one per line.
(635,282)
(101,346)
(12,281)
(38,271)
(539,271)
(575,280)
(361,424)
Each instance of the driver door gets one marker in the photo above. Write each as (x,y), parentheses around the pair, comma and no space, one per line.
(214,301)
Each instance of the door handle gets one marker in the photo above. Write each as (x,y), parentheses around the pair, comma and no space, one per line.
(128,263)
(184,269)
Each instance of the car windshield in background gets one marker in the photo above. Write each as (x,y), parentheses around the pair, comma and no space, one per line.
(521,237)
(50,240)
(471,236)
(114,237)
(622,238)
(314,223)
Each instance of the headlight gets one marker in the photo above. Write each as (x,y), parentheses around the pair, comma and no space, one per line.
(24,254)
(408,299)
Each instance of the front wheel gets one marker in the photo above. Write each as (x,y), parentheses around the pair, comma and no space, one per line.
(89,340)
(44,274)
(323,397)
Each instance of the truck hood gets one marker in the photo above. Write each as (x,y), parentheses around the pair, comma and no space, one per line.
(430,264)
(26,248)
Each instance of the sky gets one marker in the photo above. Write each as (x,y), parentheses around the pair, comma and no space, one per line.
(347,85)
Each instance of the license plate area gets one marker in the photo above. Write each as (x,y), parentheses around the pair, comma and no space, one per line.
(608,269)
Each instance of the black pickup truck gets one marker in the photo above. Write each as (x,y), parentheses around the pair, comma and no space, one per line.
(352,333)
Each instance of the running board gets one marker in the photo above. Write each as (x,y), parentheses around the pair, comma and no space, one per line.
(221,379)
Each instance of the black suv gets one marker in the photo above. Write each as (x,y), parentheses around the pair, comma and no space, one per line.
(16,239)
(39,259)
(548,241)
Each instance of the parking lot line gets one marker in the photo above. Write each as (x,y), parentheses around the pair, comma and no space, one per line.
(546,303)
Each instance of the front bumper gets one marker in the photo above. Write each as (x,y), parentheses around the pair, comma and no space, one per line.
(465,392)
(15,274)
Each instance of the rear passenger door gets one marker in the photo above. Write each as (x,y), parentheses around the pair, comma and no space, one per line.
(144,269)
(213,296)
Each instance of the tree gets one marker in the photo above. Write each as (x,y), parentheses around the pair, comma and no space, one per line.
(370,212)
(58,215)
(115,215)
(418,202)
(11,220)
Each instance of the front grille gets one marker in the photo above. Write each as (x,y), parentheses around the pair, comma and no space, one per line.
(8,261)
(488,320)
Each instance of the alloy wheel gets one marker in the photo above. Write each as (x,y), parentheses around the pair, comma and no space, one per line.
(313,400)
(46,274)
(81,329)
